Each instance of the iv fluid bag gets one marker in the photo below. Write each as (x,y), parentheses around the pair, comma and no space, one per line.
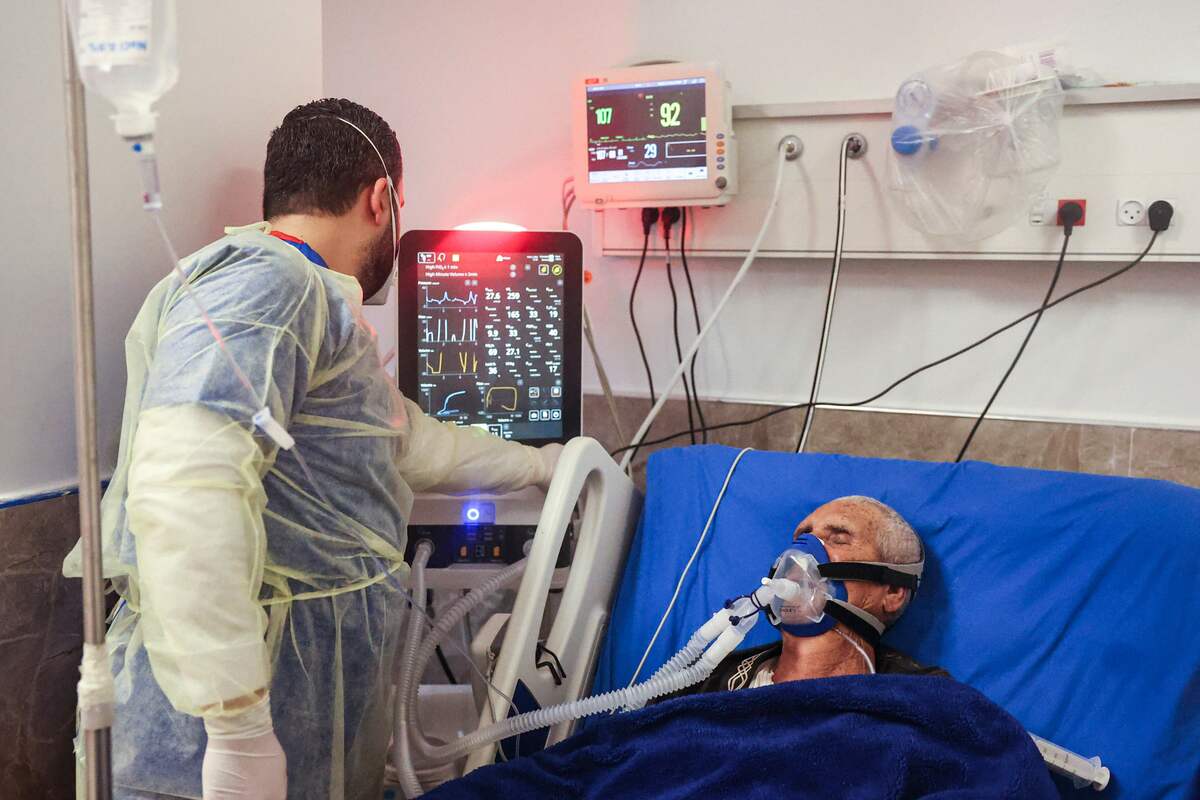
(974,142)
(127,52)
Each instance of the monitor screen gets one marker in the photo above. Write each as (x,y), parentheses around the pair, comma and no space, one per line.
(493,320)
(651,131)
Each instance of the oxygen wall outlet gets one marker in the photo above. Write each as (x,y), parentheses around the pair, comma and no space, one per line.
(1131,212)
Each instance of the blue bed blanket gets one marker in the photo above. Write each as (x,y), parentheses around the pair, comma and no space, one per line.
(872,736)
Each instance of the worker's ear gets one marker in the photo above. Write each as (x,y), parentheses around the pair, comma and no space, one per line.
(378,202)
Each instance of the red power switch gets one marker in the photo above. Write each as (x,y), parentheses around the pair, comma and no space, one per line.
(1082,204)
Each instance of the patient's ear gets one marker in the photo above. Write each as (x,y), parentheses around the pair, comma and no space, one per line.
(894,599)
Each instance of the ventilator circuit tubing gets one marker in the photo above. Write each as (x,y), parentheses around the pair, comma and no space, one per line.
(442,627)
(741,607)
(402,755)
(737,279)
(727,628)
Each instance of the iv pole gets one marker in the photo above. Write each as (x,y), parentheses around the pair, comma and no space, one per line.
(95,724)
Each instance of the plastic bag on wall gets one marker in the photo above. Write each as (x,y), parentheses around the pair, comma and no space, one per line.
(974,142)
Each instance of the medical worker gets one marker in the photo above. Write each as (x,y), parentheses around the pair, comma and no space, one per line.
(260,602)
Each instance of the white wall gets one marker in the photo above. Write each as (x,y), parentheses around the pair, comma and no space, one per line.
(242,66)
(478,92)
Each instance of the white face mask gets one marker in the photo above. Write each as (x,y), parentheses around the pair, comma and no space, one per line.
(380,297)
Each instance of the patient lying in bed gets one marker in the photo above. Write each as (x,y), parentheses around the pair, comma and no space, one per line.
(849,529)
(891,737)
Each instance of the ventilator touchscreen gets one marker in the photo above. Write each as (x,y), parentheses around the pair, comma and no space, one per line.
(490,330)
(490,341)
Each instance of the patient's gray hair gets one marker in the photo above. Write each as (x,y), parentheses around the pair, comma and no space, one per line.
(898,543)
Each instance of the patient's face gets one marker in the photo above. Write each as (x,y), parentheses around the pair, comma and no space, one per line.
(848,532)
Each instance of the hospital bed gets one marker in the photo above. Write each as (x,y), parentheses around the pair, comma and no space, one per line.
(1067,599)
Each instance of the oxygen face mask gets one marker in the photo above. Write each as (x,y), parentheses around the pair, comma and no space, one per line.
(806,604)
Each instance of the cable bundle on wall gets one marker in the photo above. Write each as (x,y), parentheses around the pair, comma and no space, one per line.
(1165,216)
(853,146)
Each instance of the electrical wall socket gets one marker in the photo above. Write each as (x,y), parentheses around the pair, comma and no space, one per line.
(1042,211)
(1131,212)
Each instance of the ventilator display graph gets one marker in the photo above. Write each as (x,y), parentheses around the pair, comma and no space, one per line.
(490,341)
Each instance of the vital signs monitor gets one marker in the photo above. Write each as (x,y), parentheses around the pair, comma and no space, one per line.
(653,135)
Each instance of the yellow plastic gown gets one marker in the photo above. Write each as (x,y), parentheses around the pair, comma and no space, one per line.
(237,571)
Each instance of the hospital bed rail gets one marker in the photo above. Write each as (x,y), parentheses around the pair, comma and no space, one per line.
(609,507)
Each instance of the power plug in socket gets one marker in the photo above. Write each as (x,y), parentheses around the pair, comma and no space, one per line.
(1131,212)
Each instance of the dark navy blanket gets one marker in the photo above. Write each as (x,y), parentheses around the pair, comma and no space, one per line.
(872,736)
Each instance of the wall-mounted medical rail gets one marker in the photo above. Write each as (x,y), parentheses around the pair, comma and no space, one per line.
(1098,96)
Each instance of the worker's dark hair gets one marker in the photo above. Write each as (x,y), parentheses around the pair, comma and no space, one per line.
(317,164)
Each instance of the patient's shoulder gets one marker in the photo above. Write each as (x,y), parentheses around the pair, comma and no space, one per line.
(893,662)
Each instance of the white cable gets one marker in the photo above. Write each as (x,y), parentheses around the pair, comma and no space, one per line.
(741,273)
(858,647)
(568,202)
(695,552)
(810,412)
(605,386)
(204,315)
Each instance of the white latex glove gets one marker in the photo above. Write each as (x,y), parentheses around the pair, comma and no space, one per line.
(549,454)
(243,760)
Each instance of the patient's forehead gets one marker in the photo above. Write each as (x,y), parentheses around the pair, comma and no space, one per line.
(844,524)
(844,513)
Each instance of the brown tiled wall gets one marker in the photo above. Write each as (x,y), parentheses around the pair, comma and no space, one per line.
(1103,450)
(40,610)
(40,647)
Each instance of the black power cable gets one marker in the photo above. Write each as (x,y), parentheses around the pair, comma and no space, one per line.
(1069,215)
(649,217)
(440,655)
(1164,216)
(445,665)
(696,317)
(670,216)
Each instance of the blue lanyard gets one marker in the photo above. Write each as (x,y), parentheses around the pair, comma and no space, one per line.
(302,246)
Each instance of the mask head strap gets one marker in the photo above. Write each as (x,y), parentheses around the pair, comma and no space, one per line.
(864,623)
(906,576)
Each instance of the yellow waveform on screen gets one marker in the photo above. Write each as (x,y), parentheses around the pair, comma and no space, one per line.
(487,398)
(468,364)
